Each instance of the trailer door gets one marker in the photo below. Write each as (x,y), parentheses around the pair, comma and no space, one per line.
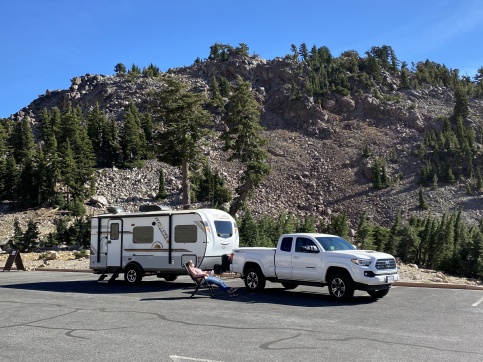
(114,243)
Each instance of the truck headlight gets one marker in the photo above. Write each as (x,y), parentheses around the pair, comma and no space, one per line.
(362,262)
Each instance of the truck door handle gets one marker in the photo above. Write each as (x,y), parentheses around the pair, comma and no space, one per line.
(296,257)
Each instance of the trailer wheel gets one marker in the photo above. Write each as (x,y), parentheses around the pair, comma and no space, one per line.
(289,286)
(254,280)
(341,286)
(378,294)
(132,274)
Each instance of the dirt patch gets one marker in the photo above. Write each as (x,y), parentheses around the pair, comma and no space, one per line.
(51,260)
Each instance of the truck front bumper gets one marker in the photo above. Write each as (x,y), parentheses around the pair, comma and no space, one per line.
(376,282)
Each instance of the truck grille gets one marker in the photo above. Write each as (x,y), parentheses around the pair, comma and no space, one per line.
(386,264)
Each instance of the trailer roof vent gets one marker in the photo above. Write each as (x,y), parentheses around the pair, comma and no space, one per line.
(153,207)
(115,209)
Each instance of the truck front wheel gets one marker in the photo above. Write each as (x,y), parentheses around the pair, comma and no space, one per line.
(341,286)
(254,280)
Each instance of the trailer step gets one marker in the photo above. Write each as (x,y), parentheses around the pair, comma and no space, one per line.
(102,278)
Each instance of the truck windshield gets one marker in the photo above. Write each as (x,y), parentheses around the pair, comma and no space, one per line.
(331,243)
(224,229)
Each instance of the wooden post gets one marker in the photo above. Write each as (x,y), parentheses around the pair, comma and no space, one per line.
(14,257)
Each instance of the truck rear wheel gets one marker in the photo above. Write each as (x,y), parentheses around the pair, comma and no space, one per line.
(133,274)
(378,294)
(341,286)
(254,280)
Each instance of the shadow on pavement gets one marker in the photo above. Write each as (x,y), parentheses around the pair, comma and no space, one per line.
(319,297)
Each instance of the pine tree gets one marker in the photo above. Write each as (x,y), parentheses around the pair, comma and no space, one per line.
(244,140)
(364,238)
(422,202)
(308,225)
(394,235)
(461,108)
(10,180)
(248,230)
(184,121)
(68,171)
(132,138)
(339,225)
(21,140)
(120,68)
(216,97)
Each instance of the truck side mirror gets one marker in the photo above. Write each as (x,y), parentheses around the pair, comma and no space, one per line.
(310,249)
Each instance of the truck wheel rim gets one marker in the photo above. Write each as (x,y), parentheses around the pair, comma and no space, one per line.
(252,280)
(338,287)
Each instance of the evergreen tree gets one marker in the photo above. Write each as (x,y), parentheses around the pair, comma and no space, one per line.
(216,97)
(248,230)
(225,87)
(339,225)
(308,225)
(132,138)
(184,129)
(21,140)
(120,68)
(244,140)
(68,171)
(289,225)
(10,180)
(422,202)
(364,238)
(461,108)
(295,52)
(394,235)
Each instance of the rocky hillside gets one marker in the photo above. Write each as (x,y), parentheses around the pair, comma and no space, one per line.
(315,147)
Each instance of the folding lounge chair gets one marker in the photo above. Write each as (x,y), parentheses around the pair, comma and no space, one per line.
(199,284)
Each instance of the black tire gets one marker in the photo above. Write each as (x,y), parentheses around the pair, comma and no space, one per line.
(254,280)
(341,286)
(133,274)
(289,286)
(378,294)
(170,278)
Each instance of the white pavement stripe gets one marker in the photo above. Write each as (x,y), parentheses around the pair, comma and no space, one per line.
(181,358)
(478,302)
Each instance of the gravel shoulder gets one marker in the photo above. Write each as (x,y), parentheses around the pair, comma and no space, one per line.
(67,260)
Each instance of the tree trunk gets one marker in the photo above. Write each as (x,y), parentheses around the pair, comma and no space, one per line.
(243,192)
(186,184)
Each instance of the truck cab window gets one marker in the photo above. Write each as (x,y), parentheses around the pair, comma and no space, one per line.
(304,245)
(286,244)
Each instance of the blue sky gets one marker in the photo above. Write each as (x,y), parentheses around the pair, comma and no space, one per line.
(46,43)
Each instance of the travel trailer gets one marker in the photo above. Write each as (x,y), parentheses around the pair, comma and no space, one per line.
(159,241)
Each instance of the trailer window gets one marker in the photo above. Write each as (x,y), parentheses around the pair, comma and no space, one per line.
(185,233)
(114,232)
(224,229)
(143,235)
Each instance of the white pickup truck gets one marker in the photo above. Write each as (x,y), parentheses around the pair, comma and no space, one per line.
(317,260)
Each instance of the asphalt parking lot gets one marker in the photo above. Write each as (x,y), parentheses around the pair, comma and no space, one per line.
(62,316)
